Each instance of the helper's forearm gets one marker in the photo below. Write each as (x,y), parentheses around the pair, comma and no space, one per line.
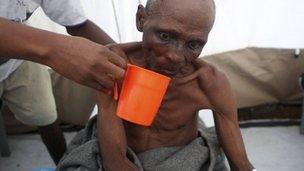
(112,140)
(23,42)
(230,138)
(90,31)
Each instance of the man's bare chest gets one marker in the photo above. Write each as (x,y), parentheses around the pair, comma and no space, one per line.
(176,121)
(180,105)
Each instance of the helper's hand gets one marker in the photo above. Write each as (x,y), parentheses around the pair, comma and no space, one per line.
(76,58)
(87,63)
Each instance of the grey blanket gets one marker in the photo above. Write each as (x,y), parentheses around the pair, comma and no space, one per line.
(201,154)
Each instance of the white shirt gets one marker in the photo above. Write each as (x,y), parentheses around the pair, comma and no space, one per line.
(63,12)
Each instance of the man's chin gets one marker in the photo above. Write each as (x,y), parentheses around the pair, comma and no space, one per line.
(166,72)
(178,73)
(169,73)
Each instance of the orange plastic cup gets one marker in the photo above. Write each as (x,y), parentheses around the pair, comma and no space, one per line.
(141,95)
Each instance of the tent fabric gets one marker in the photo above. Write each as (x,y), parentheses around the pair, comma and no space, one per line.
(261,75)
(239,23)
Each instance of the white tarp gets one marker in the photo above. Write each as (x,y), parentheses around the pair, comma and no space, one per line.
(239,23)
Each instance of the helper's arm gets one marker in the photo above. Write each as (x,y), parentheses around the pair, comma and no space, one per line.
(112,136)
(76,58)
(219,94)
(90,31)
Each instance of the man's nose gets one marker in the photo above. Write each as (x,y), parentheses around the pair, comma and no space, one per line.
(175,57)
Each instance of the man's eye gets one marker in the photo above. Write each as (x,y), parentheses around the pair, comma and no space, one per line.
(164,36)
(195,45)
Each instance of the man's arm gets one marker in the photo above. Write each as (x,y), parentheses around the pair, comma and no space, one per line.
(111,136)
(227,128)
(90,31)
(76,58)
(219,94)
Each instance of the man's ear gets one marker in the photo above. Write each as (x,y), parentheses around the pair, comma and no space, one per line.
(140,17)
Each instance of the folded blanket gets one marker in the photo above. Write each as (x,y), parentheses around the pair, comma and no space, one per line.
(201,154)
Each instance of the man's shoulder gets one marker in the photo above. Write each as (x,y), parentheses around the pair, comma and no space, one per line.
(201,64)
(210,74)
(206,69)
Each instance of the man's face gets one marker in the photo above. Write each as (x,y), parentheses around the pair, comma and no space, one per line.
(175,35)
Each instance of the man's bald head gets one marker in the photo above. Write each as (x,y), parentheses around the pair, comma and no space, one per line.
(152,5)
(156,7)
(174,32)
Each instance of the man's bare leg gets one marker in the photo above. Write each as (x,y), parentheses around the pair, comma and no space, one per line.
(53,139)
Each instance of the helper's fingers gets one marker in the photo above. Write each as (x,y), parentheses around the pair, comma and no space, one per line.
(95,85)
(126,47)
(115,72)
(105,81)
(121,50)
(118,60)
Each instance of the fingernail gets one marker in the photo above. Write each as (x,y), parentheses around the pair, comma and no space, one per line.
(115,91)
